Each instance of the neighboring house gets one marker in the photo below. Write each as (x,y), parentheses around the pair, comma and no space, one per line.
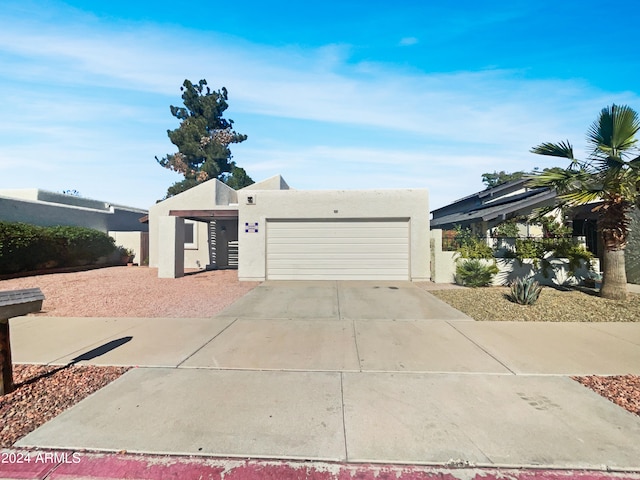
(485,210)
(40,207)
(273,232)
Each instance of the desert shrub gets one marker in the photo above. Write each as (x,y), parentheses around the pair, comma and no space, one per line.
(474,273)
(541,249)
(26,247)
(525,291)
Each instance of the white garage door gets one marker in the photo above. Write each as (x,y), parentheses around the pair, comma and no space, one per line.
(338,250)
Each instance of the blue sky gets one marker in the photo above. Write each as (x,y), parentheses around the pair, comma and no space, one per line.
(333,95)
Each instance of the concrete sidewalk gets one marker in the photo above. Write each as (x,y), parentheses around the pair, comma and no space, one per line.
(424,346)
(347,372)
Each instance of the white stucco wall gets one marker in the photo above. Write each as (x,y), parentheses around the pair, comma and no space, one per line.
(209,195)
(443,266)
(333,205)
(131,240)
(171,262)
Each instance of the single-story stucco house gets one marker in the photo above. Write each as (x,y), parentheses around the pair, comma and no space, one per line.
(269,231)
(483,211)
(44,208)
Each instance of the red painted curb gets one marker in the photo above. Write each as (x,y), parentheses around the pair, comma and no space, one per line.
(69,465)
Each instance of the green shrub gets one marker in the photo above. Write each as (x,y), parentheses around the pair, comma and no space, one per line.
(470,245)
(80,245)
(508,229)
(474,273)
(540,249)
(551,228)
(525,291)
(25,247)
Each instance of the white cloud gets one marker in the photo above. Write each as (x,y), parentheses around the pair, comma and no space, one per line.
(408,41)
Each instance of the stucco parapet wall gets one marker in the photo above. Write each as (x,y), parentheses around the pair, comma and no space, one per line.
(273,183)
(106,209)
(38,196)
(338,203)
(209,194)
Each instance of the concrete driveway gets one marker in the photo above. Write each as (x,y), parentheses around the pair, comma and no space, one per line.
(341,300)
(346,371)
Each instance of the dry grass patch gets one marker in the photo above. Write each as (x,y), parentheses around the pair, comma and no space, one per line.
(491,304)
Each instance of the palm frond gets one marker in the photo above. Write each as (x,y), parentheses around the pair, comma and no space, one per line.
(581,197)
(562,180)
(613,133)
(537,214)
(634,164)
(544,180)
(561,149)
(611,167)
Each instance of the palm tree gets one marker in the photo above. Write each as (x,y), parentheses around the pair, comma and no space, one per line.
(609,176)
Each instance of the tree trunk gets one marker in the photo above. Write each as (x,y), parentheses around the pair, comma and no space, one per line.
(6,372)
(614,281)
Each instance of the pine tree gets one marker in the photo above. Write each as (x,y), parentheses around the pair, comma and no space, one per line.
(203,140)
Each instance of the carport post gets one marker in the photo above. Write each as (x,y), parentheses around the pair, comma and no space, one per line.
(6,371)
(171,247)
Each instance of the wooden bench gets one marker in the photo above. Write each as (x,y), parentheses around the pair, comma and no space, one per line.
(14,303)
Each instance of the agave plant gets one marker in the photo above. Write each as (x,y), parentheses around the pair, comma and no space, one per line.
(525,291)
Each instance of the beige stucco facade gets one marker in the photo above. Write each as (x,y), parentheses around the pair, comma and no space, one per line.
(330,205)
(208,195)
(361,234)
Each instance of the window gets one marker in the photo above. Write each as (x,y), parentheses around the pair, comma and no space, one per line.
(190,235)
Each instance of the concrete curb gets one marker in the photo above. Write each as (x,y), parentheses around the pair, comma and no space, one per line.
(65,464)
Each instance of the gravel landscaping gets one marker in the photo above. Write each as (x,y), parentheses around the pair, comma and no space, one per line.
(623,390)
(44,392)
(491,304)
(134,292)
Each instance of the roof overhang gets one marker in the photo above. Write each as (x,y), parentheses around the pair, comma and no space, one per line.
(204,215)
(518,205)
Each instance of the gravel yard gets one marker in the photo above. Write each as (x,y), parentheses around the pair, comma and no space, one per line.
(134,292)
(491,304)
(44,392)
